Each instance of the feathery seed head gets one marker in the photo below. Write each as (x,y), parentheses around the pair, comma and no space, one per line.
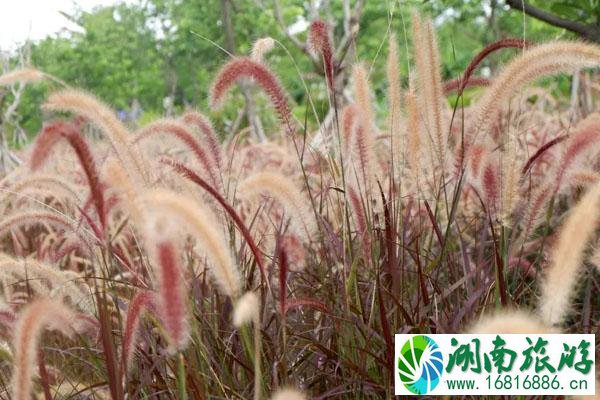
(566,257)
(533,63)
(288,394)
(295,203)
(51,133)
(37,316)
(181,132)
(202,224)
(246,309)
(201,122)
(585,135)
(141,302)
(91,108)
(261,47)
(243,67)
(171,301)
(23,75)
(320,43)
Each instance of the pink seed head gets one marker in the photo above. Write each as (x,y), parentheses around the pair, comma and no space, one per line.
(244,67)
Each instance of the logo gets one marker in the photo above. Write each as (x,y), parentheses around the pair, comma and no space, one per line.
(420,364)
(494,364)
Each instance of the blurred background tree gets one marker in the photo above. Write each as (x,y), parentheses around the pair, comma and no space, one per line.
(159,56)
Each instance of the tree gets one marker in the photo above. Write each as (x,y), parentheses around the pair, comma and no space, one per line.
(578,16)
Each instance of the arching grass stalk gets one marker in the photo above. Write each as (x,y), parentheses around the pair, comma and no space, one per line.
(181,389)
(247,310)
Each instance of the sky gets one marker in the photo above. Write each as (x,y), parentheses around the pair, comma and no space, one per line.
(35,19)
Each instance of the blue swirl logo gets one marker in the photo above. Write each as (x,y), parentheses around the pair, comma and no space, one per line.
(420,364)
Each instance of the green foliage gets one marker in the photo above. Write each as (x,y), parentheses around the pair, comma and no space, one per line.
(158,48)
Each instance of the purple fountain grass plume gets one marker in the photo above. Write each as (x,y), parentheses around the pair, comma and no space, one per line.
(44,279)
(171,294)
(91,108)
(246,309)
(487,50)
(202,224)
(476,156)
(243,67)
(202,123)
(362,96)
(37,316)
(490,181)
(349,119)
(430,95)
(23,75)
(31,217)
(435,101)
(260,48)
(118,178)
(181,132)
(55,182)
(510,178)
(585,135)
(566,257)
(295,203)
(140,303)
(394,105)
(535,209)
(49,136)
(320,43)
(534,63)
(363,152)
(362,138)
(413,135)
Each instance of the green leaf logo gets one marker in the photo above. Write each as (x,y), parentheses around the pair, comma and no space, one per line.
(420,364)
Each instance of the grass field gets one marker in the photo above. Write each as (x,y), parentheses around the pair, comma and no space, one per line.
(163,262)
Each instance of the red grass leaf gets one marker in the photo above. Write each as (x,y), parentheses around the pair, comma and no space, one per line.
(292,304)
(545,147)
(283,269)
